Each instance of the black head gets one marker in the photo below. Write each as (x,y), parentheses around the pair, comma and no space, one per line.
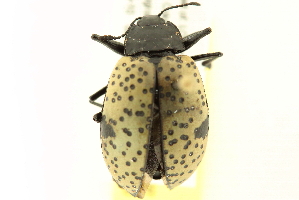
(151,34)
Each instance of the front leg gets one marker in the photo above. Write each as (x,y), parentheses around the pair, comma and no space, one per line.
(97,117)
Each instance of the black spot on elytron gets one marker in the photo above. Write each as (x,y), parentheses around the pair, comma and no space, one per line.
(150,106)
(115,159)
(110,142)
(192,63)
(179,66)
(115,93)
(198,92)
(197,80)
(181,100)
(132,76)
(137,177)
(170,132)
(167,78)
(139,113)
(113,83)
(134,159)
(141,60)
(175,161)
(130,113)
(190,120)
(114,146)
(115,171)
(142,169)
(121,84)
(127,79)
(202,97)
(174,123)
(198,156)
(123,176)
(169,112)
(106,130)
(192,107)
(160,69)
(183,156)
(187,109)
(203,103)
(168,94)
(189,142)
(116,68)
(191,153)
(129,133)
(172,168)
(128,163)
(165,151)
(194,66)
(200,112)
(142,105)
(171,156)
(128,69)
(201,146)
(131,98)
(119,98)
(188,65)
(195,74)
(106,98)
(116,165)
(172,69)
(128,144)
(164,137)
(202,130)
(169,58)
(124,64)
(126,88)
(182,162)
(145,73)
(152,90)
(139,152)
(113,100)
(145,146)
(184,137)
(172,142)
(112,162)
(118,76)
(172,98)
(140,80)
(144,91)
(193,160)
(127,173)
(185,166)
(140,69)
(132,86)
(133,65)
(123,153)
(141,130)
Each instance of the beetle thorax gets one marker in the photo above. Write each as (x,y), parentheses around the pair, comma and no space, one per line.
(152,33)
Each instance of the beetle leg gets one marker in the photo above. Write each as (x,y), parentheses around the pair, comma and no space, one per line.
(96,95)
(115,46)
(209,57)
(193,38)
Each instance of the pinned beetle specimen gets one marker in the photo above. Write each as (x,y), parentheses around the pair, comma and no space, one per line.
(154,120)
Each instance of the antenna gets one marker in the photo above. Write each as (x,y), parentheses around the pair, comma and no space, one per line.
(177,6)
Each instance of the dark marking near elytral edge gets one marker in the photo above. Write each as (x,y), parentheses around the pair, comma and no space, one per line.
(202,130)
(106,129)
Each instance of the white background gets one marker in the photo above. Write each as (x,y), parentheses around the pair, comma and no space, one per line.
(49,145)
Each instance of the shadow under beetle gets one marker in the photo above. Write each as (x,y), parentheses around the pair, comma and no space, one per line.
(154,120)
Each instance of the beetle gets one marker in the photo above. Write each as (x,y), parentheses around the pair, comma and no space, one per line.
(154,120)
